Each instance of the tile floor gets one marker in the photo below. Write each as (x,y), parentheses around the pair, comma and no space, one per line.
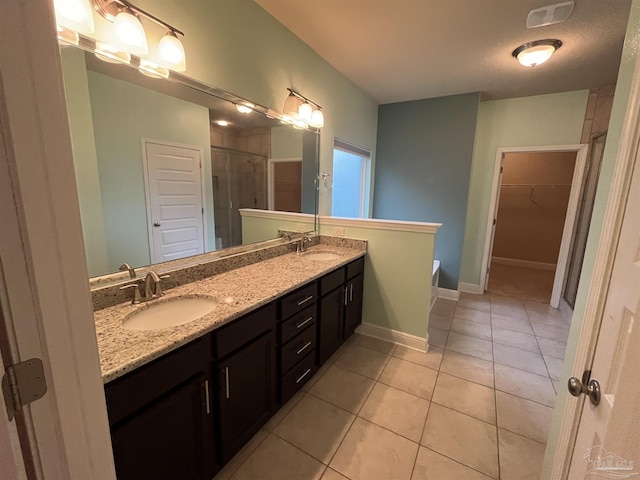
(476,406)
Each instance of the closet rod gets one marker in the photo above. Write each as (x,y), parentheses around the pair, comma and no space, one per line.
(543,185)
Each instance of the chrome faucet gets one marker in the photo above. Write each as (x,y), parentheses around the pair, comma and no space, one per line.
(125,267)
(300,248)
(147,289)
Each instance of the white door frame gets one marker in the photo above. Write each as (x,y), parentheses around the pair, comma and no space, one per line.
(572,208)
(147,190)
(271,177)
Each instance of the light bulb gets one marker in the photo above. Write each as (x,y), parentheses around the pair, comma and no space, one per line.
(291,105)
(129,33)
(304,112)
(317,119)
(171,52)
(152,70)
(222,123)
(111,54)
(76,15)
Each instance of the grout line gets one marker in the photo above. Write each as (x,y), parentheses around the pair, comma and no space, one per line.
(458,462)
(495,402)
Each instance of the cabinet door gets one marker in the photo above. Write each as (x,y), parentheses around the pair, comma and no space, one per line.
(331,324)
(353,309)
(172,438)
(247,381)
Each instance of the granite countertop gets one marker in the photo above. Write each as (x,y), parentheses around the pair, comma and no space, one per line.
(239,291)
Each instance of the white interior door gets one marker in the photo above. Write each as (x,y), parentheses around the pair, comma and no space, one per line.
(174,201)
(493,220)
(608,439)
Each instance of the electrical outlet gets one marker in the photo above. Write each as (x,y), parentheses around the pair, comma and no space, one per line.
(338,231)
(300,227)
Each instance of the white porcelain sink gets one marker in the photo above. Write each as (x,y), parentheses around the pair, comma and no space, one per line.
(321,256)
(169,313)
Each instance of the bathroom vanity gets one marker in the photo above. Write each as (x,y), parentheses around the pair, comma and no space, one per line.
(183,400)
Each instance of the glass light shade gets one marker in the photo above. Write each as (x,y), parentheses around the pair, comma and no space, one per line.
(300,125)
(76,15)
(317,119)
(535,55)
(129,34)
(111,54)
(305,111)
(171,53)
(152,70)
(245,107)
(291,106)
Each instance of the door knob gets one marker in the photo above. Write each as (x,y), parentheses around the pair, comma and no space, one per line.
(591,389)
(156,224)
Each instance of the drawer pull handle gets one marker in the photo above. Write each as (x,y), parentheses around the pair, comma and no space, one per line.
(351,292)
(226,382)
(299,379)
(206,397)
(303,348)
(302,302)
(346,298)
(302,324)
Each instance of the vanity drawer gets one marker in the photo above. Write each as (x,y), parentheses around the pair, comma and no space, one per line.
(355,267)
(299,322)
(296,349)
(244,330)
(296,301)
(331,281)
(297,377)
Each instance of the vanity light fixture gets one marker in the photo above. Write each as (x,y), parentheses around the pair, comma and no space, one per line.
(171,52)
(75,15)
(111,54)
(151,69)
(129,33)
(302,111)
(245,107)
(536,52)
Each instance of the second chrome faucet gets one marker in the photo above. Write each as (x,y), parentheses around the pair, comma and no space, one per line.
(146,289)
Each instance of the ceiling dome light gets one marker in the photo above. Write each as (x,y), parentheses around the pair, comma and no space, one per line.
(537,52)
(246,107)
(317,119)
(152,70)
(171,52)
(222,123)
(111,54)
(291,105)
(129,33)
(304,112)
(76,15)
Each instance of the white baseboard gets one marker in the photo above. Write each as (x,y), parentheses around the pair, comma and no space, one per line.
(393,336)
(448,293)
(470,288)
(514,262)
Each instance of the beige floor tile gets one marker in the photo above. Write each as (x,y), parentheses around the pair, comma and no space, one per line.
(515,311)
(462,438)
(343,388)
(239,458)
(520,359)
(317,376)
(466,397)
(472,315)
(275,459)
(555,367)
(467,367)
(523,417)
(549,331)
(431,465)
(497,299)
(472,329)
(372,343)
(370,452)
(443,322)
(474,302)
(520,458)
(364,361)
(333,475)
(515,339)
(437,337)
(524,384)
(431,359)
(444,307)
(510,323)
(475,347)
(284,410)
(396,410)
(552,348)
(315,427)
(409,377)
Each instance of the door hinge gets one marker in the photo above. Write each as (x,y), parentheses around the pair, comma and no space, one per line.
(501,169)
(22,384)
(494,221)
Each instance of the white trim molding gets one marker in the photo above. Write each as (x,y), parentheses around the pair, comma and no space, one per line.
(470,288)
(448,294)
(276,215)
(397,225)
(394,336)
(515,262)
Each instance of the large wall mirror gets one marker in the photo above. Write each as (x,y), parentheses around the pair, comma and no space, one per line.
(163,166)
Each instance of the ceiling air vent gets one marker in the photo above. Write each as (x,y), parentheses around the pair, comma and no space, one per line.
(541,17)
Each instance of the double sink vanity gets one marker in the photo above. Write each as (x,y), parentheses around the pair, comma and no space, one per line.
(191,376)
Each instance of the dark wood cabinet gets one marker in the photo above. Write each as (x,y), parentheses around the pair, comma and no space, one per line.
(246,393)
(353,304)
(330,330)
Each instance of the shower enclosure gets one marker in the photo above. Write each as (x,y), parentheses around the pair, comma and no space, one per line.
(239,181)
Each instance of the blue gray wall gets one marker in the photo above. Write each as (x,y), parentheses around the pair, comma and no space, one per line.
(423,167)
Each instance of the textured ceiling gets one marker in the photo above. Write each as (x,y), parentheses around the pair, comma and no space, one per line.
(398,50)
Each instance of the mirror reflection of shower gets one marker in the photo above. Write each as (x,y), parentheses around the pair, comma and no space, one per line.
(239,181)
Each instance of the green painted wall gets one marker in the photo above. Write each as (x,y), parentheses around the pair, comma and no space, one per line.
(616,124)
(85,159)
(554,119)
(392,255)
(286,142)
(123,114)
